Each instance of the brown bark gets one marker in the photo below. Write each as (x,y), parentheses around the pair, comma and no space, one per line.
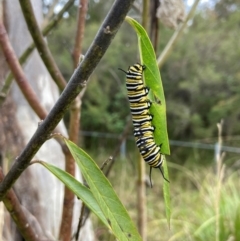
(65,229)
(80,31)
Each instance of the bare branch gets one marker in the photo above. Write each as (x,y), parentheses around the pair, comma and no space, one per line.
(68,204)
(41,44)
(20,77)
(67,215)
(83,4)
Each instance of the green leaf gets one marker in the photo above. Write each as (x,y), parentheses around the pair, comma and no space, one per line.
(152,79)
(113,210)
(159,122)
(77,188)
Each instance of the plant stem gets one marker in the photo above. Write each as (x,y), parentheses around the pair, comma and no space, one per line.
(41,44)
(19,75)
(74,126)
(171,43)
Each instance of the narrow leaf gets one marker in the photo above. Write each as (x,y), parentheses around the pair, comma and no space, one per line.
(115,213)
(77,188)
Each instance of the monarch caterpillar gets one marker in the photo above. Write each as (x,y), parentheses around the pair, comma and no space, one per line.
(144,130)
(140,108)
(142,119)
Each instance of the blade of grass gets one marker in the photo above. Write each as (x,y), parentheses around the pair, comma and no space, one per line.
(115,213)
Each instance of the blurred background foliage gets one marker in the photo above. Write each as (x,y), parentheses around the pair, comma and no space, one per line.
(200,78)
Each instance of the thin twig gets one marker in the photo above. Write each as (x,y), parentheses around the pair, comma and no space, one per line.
(74,126)
(68,204)
(83,6)
(41,44)
(80,223)
(85,212)
(106,162)
(219,178)
(154,29)
(171,43)
(50,11)
(19,75)
(15,209)
(66,224)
